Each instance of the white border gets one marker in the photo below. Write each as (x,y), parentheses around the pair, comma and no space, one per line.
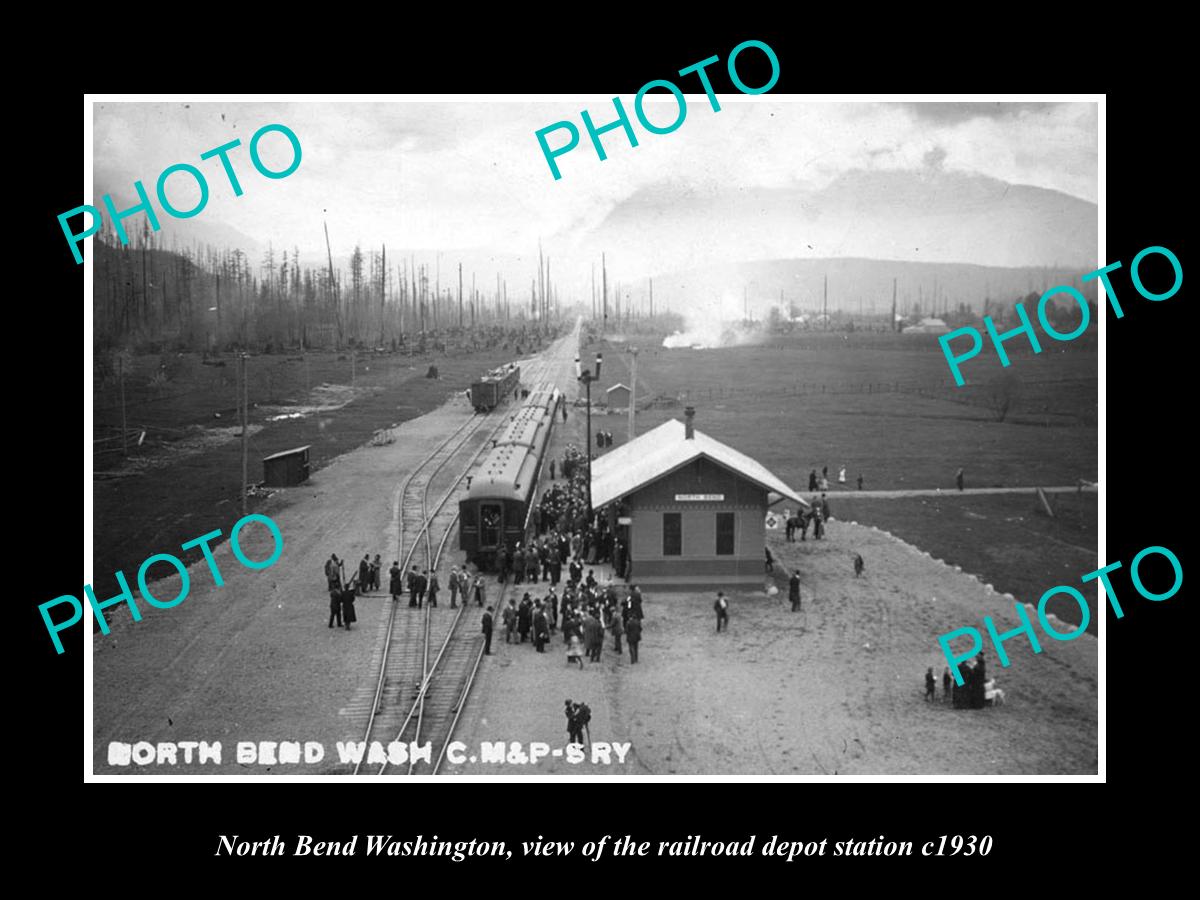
(90,100)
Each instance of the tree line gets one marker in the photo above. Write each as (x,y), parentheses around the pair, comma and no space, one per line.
(149,297)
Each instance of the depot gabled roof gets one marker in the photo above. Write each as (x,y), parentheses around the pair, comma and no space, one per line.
(664,449)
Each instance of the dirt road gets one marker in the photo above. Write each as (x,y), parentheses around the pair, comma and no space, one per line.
(836,689)
(253,660)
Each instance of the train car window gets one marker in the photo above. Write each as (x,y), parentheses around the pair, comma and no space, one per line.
(725,534)
(489,520)
(672,534)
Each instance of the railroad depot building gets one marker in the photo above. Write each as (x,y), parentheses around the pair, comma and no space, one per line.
(690,509)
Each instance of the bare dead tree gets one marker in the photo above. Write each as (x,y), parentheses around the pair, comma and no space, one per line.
(1002,393)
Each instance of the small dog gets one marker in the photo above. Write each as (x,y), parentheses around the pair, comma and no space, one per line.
(858,565)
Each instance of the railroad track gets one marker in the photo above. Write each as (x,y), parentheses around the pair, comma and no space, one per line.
(408,662)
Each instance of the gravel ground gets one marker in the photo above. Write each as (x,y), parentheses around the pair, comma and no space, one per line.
(253,660)
(836,689)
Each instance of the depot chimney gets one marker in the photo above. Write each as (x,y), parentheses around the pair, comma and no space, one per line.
(689,426)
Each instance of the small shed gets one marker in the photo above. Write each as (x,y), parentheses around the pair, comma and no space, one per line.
(618,397)
(286,468)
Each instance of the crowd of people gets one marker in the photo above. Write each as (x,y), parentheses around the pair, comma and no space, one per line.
(561,592)
(564,525)
(976,692)
(584,614)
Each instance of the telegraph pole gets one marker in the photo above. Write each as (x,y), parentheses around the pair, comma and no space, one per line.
(245,433)
(604,292)
(632,389)
(826,301)
(893,304)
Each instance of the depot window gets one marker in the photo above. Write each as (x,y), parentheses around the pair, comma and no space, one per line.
(672,534)
(725,534)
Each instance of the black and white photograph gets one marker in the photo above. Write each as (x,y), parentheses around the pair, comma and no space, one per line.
(527,435)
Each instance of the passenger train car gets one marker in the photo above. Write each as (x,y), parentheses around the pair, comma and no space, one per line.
(498,498)
(488,391)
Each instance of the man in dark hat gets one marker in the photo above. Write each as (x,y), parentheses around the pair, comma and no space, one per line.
(348,595)
(541,629)
(574,728)
(412,586)
(364,574)
(333,572)
(487,632)
(633,634)
(335,605)
(721,607)
(420,584)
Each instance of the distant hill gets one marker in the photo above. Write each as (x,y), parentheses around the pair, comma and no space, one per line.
(933,215)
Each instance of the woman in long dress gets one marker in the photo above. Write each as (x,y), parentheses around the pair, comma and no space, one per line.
(575,651)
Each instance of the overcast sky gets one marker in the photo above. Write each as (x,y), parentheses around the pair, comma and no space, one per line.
(471,177)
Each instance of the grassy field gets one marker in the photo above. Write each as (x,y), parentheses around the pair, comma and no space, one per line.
(801,403)
(1008,540)
(184,479)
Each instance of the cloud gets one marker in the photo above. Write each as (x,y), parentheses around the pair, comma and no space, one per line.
(453,176)
(955,113)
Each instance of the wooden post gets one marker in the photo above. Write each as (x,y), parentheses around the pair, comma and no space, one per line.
(604,292)
(121,378)
(245,433)
(826,302)
(632,390)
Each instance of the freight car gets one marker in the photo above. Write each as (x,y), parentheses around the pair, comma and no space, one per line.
(498,500)
(488,391)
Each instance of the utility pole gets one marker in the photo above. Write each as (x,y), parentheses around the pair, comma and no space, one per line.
(826,302)
(245,433)
(604,293)
(587,377)
(893,304)
(632,389)
(382,295)
(337,306)
(460,295)
(121,377)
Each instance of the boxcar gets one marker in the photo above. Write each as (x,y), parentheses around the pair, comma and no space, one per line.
(496,508)
(488,391)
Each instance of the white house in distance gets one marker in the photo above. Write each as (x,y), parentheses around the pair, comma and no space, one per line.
(617,396)
(690,509)
(928,325)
